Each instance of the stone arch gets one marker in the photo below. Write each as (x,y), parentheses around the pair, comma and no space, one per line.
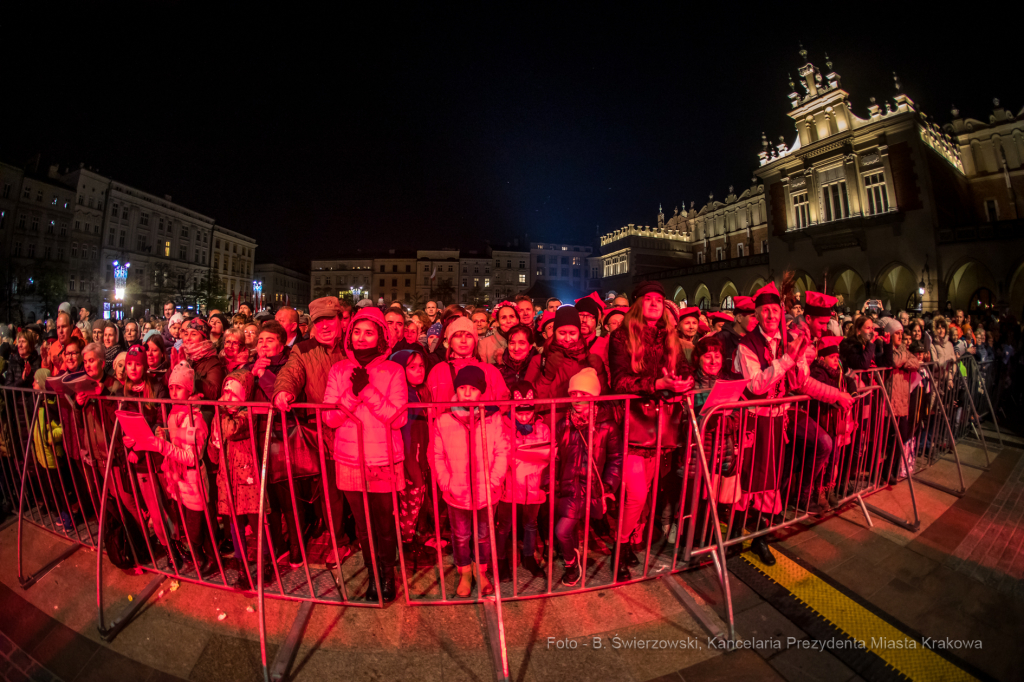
(755,285)
(803,282)
(850,286)
(965,282)
(680,295)
(728,289)
(896,286)
(702,297)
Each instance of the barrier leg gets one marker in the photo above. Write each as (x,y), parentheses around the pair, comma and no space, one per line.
(109,633)
(286,654)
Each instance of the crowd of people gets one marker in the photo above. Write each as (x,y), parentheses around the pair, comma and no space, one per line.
(399,393)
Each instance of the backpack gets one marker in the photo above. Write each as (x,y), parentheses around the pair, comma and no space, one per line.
(123,540)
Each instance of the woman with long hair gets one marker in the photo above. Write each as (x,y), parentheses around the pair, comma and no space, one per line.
(646,357)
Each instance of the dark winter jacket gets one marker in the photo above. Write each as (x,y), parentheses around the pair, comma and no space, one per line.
(573,462)
(550,373)
(857,355)
(209,372)
(304,375)
(514,371)
(15,375)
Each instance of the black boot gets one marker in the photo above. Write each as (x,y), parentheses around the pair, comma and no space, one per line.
(387,584)
(623,573)
(504,570)
(371,588)
(761,549)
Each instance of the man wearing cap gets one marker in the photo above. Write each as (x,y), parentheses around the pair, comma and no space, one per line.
(773,364)
(304,378)
(743,321)
(491,347)
(590,308)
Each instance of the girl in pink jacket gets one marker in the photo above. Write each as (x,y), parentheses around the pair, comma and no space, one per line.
(372,389)
(526,482)
(466,473)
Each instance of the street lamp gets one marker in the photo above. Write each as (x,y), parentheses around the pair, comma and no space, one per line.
(120,280)
(257,291)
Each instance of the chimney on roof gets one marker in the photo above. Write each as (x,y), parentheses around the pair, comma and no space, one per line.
(53,171)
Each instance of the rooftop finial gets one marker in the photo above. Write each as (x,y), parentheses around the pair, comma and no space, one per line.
(792,86)
(764,141)
(955,112)
(995,101)
(828,62)
(899,86)
(803,52)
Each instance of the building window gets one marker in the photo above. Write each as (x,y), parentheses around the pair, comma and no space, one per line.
(394,281)
(113,211)
(540,272)
(878,197)
(184,231)
(35,223)
(167,249)
(801,210)
(50,226)
(394,268)
(63,229)
(739,251)
(408,282)
(71,284)
(17,249)
(764,246)
(565,272)
(834,202)
(120,239)
(327,281)
(991,210)
(408,268)
(32,250)
(182,253)
(522,278)
(540,259)
(143,218)
(718,253)
(565,260)
(124,213)
(140,242)
(60,253)
(39,196)
(575,272)
(21,221)
(74,249)
(78,225)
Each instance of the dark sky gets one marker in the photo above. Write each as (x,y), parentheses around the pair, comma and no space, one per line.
(318,134)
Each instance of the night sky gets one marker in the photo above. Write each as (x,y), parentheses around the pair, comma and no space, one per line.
(320,134)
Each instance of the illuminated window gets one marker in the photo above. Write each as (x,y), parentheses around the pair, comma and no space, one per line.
(801,210)
(834,202)
(878,197)
(522,278)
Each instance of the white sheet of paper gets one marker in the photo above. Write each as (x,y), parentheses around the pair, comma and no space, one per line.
(724,392)
(135,426)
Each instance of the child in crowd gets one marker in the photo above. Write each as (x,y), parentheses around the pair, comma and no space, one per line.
(464,480)
(238,485)
(416,437)
(527,482)
(183,444)
(573,435)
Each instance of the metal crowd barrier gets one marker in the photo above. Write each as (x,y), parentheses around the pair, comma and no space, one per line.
(723,476)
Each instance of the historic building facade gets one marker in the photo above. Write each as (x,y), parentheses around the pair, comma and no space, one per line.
(888,205)
(394,278)
(346,278)
(512,275)
(282,286)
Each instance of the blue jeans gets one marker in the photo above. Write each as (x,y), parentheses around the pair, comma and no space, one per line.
(503,526)
(461,521)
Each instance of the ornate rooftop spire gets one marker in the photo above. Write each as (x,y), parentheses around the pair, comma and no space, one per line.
(899,86)
(803,52)
(828,62)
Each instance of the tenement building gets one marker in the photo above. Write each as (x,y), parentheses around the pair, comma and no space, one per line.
(346,278)
(394,278)
(886,204)
(511,272)
(282,286)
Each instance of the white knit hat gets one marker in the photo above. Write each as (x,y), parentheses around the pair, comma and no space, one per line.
(891,325)
(586,380)
(462,324)
(182,375)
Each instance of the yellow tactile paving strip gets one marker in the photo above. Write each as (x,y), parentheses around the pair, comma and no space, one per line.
(879,637)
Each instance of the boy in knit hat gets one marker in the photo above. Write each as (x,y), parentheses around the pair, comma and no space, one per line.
(575,467)
(464,474)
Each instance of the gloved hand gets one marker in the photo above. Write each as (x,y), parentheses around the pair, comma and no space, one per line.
(360,379)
